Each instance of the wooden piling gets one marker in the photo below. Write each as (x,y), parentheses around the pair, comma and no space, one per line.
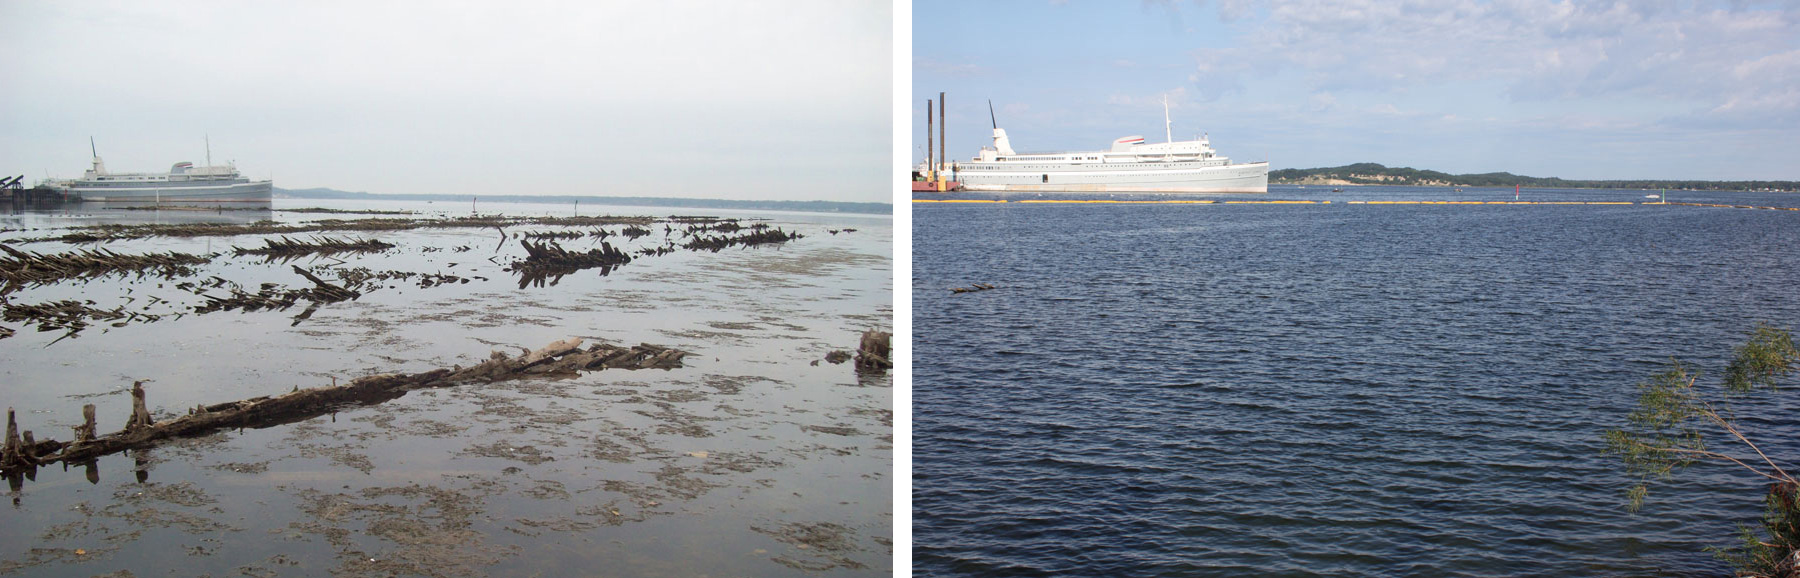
(9,453)
(85,432)
(873,354)
(140,414)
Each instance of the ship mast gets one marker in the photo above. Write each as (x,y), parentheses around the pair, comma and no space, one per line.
(1168,127)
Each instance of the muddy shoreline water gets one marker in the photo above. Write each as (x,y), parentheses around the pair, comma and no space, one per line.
(754,458)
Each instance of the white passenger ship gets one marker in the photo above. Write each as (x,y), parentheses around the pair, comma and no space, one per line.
(183,183)
(1130,166)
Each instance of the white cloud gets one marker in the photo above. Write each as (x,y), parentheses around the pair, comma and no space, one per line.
(951,69)
(1323,101)
(1535,49)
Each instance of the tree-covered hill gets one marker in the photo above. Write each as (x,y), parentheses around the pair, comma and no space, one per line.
(1375,174)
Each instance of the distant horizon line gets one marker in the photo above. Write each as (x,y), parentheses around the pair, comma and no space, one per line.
(862,207)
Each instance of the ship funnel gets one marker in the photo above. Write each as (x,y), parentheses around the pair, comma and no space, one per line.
(1001,145)
(99,167)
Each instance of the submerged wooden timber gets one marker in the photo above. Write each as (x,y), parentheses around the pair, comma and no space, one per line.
(325,211)
(287,248)
(99,233)
(546,263)
(277,298)
(22,451)
(548,260)
(21,268)
(67,315)
(561,235)
(75,316)
(874,356)
(758,236)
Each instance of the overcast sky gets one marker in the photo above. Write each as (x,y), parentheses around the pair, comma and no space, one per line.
(1573,89)
(786,99)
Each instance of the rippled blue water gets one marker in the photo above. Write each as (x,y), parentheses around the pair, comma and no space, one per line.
(1328,389)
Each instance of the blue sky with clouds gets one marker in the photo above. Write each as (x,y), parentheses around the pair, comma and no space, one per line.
(1586,90)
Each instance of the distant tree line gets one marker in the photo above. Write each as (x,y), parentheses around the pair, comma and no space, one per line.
(1376,174)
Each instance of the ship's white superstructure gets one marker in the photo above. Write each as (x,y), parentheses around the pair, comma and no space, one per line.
(183,183)
(1129,166)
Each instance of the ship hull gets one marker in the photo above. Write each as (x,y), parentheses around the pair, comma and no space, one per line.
(1237,178)
(249,192)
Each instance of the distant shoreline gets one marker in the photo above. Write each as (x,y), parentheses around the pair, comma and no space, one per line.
(1376,174)
(801,206)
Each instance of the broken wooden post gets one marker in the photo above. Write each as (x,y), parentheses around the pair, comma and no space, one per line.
(872,355)
(29,452)
(9,454)
(140,415)
(85,431)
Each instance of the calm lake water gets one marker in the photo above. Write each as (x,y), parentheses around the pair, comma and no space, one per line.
(1346,389)
(756,458)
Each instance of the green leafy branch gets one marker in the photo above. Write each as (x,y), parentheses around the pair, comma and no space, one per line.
(1667,432)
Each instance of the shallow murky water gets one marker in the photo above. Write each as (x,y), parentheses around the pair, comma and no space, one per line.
(755,458)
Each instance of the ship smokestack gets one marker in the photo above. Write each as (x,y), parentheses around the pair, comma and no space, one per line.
(930,153)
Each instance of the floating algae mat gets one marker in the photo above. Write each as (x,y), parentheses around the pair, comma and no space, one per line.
(698,427)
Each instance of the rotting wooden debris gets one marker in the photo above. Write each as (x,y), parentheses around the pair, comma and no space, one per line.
(322,210)
(75,316)
(873,355)
(68,314)
(21,268)
(21,451)
(287,248)
(548,259)
(758,236)
(721,226)
(556,235)
(96,233)
(275,298)
(972,288)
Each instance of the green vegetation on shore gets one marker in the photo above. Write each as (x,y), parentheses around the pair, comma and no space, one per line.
(1375,174)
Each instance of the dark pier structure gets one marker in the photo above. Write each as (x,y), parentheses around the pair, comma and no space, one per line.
(13,192)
